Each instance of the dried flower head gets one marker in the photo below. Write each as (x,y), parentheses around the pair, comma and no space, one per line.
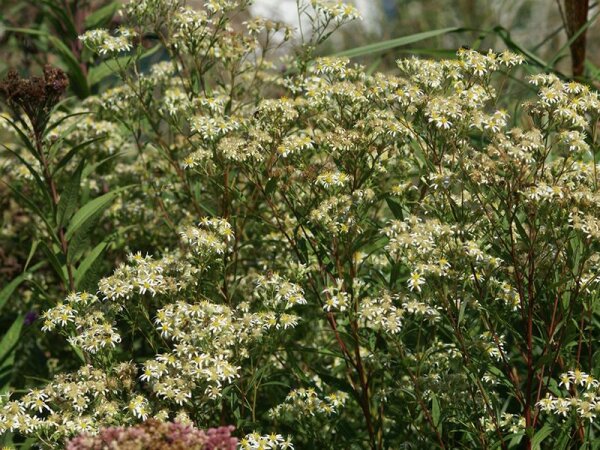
(35,96)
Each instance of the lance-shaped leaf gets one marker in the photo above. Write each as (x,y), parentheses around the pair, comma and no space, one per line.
(87,211)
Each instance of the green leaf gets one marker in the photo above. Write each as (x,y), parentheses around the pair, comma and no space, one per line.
(24,138)
(78,352)
(394,43)
(504,34)
(62,17)
(538,437)
(29,443)
(461,312)
(33,207)
(69,155)
(56,123)
(9,342)
(394,274)
(521,230)
(435,411)
(69,198)
(270,187)
(395,208)
(92,167)
(102,16)
(72,151)
(32,250)
(6,439)
(81,240)
(515,440)
(89,209)
(87,263)
(564,438)
(58,267)
(303,249)
(338,383)
(42,188)
(8,290)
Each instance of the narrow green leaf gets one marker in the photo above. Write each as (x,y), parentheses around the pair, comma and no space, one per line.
(6,439)
(461,312)
(538,437)
(79,353)
(303,249)
(26,31)
(92,167)
(62,17)
(435,411)
(521,230)
(56,123)
(9,341)
(89,209)
(564,438)
(8,290)
(374,65)
(69,198)
(42,187)
(24,138)
(73,151)
(394,43)
(29,443)
(58,267)
(338,383)
(515,440)
(592,70)
(395,208)
(34,208)
(88,261)
(270,187)
(81,240)
(394,274)
(504,34)
(32,250)
(102,16)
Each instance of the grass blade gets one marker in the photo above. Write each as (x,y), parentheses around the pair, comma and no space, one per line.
(379,47)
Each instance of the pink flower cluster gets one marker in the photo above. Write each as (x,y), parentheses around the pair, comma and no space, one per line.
(155,435)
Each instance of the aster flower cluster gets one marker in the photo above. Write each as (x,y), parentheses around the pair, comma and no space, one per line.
(102,42)
(212,237)
(278,293)
(581,398)
(509,422)
(273,441)
(205,339)
(72,403)
(92,324)
(145,275)
(307,403)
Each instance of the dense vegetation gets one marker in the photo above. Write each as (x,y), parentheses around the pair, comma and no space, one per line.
(211,224)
